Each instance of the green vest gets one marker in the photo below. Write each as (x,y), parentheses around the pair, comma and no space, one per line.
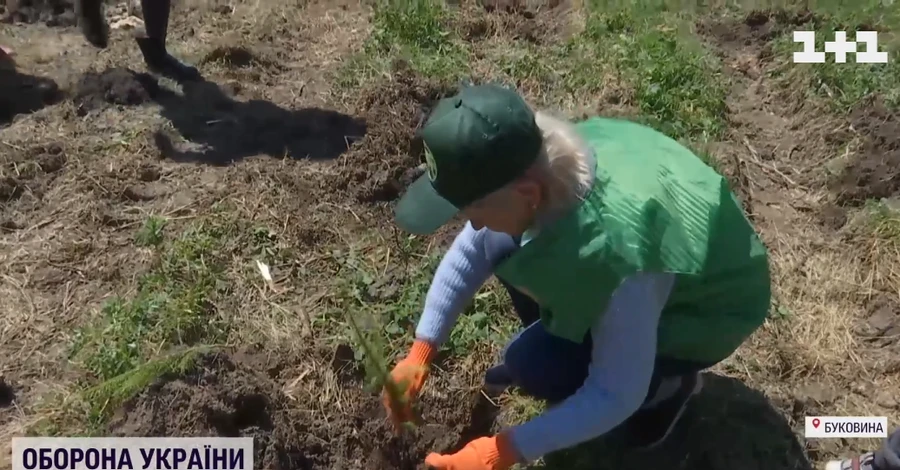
(654,207)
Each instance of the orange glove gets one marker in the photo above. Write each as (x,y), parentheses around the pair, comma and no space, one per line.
(409,374)
(486,453)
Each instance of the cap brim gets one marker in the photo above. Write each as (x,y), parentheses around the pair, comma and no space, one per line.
(421,210)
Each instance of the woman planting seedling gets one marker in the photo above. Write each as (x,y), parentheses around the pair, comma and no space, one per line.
(628,260)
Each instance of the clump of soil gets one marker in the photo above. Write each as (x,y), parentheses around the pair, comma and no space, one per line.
(381,165)
(883,324)
(875,171)
(117,86)
(527,8)
(49,12)
(231,396)
(239,57)
(756,30)
(531,21)
(26,171)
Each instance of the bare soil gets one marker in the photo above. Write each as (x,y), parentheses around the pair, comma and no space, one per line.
(234,396)
(388,159)
(116,86)
(875,171)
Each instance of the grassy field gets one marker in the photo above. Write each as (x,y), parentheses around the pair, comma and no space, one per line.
(134,214)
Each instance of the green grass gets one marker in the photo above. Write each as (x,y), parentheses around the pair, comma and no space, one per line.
(388,311)
(883,221)
(173,304)
(677,86)
(86,413)
(418,31)
(132,341)
(843,85)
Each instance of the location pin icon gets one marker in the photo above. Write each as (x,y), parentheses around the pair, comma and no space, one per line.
(816,422)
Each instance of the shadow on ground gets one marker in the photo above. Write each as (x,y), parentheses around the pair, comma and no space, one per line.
(21,93)
(221,130)
(727,427)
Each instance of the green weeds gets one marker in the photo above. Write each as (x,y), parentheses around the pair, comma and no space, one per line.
(389,305)
(130,343)
(883,219)
(415,30)
(173,304)
(676,86)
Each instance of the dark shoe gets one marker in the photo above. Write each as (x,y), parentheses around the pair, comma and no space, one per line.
(158,60)
(92,22)
(649,427)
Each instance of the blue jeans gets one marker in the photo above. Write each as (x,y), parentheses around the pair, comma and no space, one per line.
(551,368)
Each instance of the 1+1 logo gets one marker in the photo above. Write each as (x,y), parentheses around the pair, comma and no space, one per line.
(840,47)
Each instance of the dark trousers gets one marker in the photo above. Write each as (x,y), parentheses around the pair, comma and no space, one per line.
(888,457)
(547,367)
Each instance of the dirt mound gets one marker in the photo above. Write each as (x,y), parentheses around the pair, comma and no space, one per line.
(118,86)
(381,165)
(49,12)
(230,396)
(532,21)
(755,30)
(527,8)
(875,171)
(33,167)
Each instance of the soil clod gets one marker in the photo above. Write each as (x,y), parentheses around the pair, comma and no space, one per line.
(229,395)
(875,171)
(117,86)
(385,162)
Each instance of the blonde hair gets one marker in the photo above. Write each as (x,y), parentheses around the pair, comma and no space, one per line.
(564,168)
(565,158)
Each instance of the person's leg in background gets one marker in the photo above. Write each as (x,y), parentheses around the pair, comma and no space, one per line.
(885,458)
(153,42)
(92,22)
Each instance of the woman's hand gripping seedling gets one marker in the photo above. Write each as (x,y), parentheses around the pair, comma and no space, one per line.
(404,383)
(399,388)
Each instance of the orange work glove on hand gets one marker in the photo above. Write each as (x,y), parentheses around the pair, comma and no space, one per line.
(486,453)
(409,374)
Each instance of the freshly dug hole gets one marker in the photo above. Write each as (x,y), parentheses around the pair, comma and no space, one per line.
(226,395)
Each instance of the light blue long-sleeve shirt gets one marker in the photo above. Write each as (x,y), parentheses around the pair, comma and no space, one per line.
(624,343)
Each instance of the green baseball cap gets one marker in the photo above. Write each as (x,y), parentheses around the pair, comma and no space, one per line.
(475,143)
